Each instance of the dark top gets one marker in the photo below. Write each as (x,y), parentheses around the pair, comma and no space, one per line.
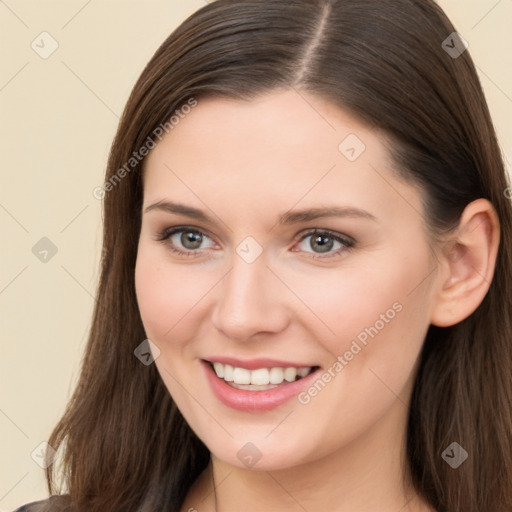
(52,504)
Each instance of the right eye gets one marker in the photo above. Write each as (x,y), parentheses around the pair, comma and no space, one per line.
(183,240)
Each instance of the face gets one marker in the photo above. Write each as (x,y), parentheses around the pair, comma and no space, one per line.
(275,234)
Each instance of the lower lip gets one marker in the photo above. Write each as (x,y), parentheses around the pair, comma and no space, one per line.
(254,401)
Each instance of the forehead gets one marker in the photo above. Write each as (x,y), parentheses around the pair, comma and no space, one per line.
(278,150)
(282,123)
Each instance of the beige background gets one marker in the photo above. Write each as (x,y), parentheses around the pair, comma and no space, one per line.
(58,118)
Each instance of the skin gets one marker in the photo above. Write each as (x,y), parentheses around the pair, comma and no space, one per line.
(245,164)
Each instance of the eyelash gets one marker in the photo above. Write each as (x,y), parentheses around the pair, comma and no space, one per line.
(348,243)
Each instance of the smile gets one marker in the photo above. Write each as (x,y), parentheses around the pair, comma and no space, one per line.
(258,389)
(243,378)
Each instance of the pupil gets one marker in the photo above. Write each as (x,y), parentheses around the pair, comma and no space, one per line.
(324,243)
(191,240)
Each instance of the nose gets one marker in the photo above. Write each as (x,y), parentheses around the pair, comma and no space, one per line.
(251,301)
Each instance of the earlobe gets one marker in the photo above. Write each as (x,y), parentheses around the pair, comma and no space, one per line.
(467,264)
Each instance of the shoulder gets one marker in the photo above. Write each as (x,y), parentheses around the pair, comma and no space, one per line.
(52,504)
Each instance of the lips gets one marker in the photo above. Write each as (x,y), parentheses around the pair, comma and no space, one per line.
(254,398)
(254,364)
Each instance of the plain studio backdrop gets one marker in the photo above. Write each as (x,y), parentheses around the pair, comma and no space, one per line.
(66,71)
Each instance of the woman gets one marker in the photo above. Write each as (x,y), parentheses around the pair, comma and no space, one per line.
(305,297)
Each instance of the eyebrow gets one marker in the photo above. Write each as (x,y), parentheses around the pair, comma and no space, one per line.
(287,218)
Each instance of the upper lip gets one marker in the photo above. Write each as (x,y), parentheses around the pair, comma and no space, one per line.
(254,364)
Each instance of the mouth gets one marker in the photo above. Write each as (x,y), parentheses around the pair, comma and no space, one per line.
(258,389)
(259,379)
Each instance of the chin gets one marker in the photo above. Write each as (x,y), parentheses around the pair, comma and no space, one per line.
(259,455)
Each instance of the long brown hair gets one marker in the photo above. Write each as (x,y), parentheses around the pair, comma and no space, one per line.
(125,446)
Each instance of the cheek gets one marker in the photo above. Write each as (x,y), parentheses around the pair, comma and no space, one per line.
(162,294)
(153,296)
(382,306)
(380,318)
(169,297)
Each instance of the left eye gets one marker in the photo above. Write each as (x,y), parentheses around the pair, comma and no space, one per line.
(325,242)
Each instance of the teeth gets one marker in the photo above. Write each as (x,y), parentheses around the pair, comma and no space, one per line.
(290,374)
(276,375)
(261,376)
(241,376)
(302,372)
(219,369)
(228,372)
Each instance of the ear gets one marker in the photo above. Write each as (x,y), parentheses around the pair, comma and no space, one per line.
(466,264)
